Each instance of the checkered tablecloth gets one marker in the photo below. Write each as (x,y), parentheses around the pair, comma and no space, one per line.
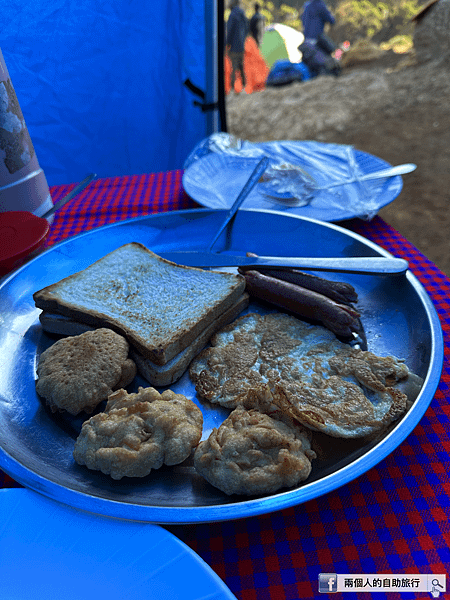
(393,519)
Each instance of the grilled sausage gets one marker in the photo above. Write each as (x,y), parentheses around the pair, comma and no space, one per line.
(336,290)
(342,319)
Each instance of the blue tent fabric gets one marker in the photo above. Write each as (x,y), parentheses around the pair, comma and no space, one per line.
(100,83)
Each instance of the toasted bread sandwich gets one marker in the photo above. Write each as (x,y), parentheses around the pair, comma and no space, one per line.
(160,307)
(156,375)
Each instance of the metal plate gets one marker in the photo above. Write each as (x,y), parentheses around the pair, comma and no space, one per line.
(215,180)
(36,446)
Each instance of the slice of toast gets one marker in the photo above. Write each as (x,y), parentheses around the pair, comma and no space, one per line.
(161,375)
(160,307)
(156,375)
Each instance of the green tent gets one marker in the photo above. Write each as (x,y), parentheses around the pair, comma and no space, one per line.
(281,42)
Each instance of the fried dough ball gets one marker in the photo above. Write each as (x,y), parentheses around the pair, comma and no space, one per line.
(77,373)
(253,453)
(139,432)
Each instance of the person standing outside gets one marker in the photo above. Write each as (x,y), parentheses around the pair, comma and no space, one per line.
(237,30)
(257,23)
(314,17)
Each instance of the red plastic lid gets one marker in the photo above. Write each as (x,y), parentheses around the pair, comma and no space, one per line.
(21,233)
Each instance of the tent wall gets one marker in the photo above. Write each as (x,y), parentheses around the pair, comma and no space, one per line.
(100,82)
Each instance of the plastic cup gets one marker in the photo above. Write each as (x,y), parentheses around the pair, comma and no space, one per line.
(23,185)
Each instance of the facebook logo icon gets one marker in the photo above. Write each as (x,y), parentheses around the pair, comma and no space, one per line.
(327,583)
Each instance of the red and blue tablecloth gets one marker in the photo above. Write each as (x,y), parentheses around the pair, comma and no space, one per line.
(393,519)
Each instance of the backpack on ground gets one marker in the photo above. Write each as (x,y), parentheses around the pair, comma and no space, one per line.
(283,72)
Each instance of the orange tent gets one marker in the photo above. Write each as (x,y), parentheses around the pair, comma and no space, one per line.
(255,67)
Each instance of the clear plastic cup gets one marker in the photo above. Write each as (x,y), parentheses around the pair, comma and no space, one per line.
(23,185)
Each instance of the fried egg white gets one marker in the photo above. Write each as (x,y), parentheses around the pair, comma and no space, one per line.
(304,370)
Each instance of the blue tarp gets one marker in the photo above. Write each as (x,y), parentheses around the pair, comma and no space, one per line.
(100,82)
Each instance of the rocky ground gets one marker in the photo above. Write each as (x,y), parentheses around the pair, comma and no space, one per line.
(395,107)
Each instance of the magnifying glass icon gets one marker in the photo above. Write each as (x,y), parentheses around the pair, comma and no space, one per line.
(436,588)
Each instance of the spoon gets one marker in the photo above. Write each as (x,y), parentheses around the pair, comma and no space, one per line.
(390,172)
(311,186)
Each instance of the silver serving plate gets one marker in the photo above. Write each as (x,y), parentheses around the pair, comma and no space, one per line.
(36,446)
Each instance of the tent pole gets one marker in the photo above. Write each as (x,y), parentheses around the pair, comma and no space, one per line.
(221,63)
(211,59)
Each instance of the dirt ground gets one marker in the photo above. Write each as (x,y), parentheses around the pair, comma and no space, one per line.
(394,107)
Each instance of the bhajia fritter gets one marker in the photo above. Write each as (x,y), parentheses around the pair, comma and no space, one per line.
(76,373)
(253,453)
(139,432)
